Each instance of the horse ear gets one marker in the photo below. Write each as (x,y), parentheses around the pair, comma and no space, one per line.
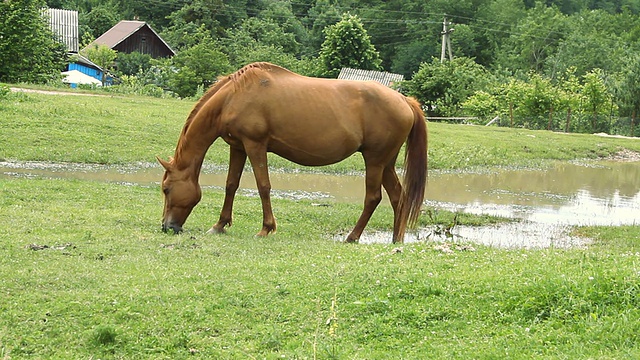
(165,164)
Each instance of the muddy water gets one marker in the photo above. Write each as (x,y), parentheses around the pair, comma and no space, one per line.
(548,201)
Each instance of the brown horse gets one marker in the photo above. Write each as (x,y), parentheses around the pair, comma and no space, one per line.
(265,108)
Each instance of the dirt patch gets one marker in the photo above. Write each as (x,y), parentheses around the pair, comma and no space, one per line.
(53,92)
(625,156)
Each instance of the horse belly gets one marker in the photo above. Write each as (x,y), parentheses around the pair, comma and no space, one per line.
(312,142)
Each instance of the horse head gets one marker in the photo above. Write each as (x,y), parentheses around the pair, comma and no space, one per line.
(181,194)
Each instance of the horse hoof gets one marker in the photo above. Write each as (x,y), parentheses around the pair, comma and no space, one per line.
(215,230)
(264,233)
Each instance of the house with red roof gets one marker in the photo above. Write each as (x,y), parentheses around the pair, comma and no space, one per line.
(135,36)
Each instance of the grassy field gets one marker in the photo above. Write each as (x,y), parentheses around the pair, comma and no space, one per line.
(122,130)
(86,273)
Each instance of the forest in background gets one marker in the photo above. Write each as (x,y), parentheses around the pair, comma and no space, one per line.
(569,65)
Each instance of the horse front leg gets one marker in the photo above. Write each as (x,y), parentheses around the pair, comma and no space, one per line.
(237,159)
(258,157)
(372,198)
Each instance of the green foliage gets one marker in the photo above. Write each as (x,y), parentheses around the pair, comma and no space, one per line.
(324,13)
(508,38)
(597,98)
(134,85)
(199,65)
(4,91)
(533,103)
(442,87)
(533,39)
(281,13)
(101,55)
(629,87)
(28,48)
(100,19)
(585,48)
(133,63)
(201,13)
(347,44)
(257,33)
(481,104)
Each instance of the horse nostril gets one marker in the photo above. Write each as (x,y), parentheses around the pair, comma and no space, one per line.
(176,229)
(166,226)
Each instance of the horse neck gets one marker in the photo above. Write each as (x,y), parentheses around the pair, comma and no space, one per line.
(196,138)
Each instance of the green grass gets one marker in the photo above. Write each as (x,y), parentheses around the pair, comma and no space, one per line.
(85,271)
(111,285)
(121,130)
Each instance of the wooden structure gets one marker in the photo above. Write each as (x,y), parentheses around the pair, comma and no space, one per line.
(387,79)
(64,23)
(135,36)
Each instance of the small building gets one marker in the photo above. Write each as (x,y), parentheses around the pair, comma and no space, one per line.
(385,78)
(64,24)
(135,36)
(87,67)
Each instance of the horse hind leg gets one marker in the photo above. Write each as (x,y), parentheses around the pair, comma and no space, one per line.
(237,159)
(393,188)
(372,198)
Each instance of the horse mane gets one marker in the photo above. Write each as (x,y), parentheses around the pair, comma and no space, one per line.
(239,79)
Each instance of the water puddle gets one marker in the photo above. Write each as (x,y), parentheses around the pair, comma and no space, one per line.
(547,202)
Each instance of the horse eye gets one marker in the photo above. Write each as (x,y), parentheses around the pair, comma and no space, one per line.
(165,191)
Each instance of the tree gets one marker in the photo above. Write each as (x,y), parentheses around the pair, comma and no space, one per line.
(196,66)
(597,98)
(630,90)
(133,64)
(263,32)
(28,49)
(99,19)
(502,14)
(281,13)
(443,87)
(533,40)
(155,13)
(321,15)
(347,44)
(101,55)
(586,48)
(570,99)
(199,14)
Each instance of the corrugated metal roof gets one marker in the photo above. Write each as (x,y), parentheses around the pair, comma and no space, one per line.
(79,59)
(383,77)
(64,23)
(122,30)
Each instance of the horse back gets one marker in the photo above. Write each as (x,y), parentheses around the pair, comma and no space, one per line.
(326,119)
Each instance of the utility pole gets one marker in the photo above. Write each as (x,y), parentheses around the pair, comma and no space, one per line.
(446,40)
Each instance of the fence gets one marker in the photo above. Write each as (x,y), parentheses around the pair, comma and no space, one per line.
(562,121)
(580,123)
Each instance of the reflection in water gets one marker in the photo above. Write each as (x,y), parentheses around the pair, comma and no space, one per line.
(568,194)
(548,201)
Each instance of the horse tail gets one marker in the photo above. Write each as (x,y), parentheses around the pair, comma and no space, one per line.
(415,171)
